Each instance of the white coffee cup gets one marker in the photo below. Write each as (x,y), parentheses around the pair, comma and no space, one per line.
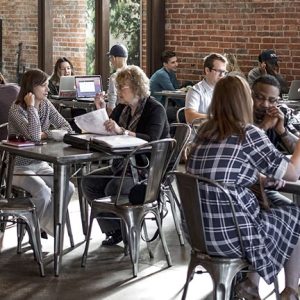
(58,134)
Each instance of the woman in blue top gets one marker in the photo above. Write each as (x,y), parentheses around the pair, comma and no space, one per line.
(229,149)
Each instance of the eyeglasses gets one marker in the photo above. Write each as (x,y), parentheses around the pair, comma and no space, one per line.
(17,138)
(122,87)
(261,97)
(221,72)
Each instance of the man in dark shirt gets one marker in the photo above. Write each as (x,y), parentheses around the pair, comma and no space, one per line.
(268,64)
(277,120)
(165,77)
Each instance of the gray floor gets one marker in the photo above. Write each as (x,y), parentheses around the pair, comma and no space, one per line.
(108,273)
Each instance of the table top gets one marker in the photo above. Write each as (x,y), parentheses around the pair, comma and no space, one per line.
(74,103)
(178,94)
(54,152)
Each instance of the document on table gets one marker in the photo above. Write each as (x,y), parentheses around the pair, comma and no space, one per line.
(93,122)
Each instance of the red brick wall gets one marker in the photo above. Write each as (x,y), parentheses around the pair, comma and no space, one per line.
(243,27)
(19,24)
(69,28)
(20,21)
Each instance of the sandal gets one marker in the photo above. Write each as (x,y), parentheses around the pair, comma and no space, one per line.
(289,294)
(246,290)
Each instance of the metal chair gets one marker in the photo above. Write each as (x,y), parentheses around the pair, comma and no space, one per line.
(221,269)
(23,212)
(181,135)
(133,215)
(21,193)
(180,115)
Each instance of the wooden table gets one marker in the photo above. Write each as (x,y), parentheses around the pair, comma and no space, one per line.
(62,156)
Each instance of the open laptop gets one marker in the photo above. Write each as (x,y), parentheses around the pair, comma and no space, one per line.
(294,92)
(66,88)
(87,87)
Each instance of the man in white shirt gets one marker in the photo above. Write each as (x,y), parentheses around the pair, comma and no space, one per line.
(198,97)
(118,55)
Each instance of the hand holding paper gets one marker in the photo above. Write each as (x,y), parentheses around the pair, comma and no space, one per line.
(93,122)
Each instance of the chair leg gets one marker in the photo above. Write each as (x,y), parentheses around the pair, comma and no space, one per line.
(20,234)
(190,274)
(87,243)
(35,240)
(162,237)
(147,239)
(171,194)
(69,229)
(134,246)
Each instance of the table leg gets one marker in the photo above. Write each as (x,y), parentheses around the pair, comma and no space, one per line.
(82,203)
(10,172)
(61,186)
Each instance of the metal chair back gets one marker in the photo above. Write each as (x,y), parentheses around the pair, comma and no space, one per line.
(161,152)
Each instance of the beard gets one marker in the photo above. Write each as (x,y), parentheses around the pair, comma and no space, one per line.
(259,115)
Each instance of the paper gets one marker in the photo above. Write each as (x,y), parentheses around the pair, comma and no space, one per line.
(93,122)
(119,141)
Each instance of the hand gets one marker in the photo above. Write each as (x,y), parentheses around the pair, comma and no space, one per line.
(263,68)
(274,183)
(275,112)
(29,99)
(99,100)
(112,126)
(269,121)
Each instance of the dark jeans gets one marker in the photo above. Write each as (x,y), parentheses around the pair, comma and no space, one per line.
(98,187)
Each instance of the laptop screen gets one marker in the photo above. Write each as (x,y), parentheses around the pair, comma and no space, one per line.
(88,86)
(67,87)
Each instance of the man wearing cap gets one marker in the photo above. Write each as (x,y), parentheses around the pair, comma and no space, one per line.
(118,58)
(268,64)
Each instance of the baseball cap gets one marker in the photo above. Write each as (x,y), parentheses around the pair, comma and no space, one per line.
(118,50)
(268,55)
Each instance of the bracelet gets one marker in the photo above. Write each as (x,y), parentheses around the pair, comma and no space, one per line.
(283,134)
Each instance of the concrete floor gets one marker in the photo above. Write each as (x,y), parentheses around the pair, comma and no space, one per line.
(108,273)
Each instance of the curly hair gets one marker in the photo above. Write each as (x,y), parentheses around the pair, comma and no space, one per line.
(136,78)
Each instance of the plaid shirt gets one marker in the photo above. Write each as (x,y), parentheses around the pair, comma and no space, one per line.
(31,122)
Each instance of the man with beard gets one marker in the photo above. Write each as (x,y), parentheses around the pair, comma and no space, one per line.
(276,120)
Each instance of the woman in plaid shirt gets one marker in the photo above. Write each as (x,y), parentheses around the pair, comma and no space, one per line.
(31,117)
(229,149)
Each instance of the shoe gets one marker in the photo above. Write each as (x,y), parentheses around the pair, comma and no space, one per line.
(246,290)
(44,235)
(113,238)
(289,294)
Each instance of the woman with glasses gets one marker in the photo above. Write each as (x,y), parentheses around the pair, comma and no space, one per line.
(137,114)
(231,150)
(32,117)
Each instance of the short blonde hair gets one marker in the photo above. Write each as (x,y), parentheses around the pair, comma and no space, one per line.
(136,78)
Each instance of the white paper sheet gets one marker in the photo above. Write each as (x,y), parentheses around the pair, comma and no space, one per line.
(93,122)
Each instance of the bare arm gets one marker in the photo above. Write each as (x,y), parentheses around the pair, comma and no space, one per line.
(192,114)
(293,170)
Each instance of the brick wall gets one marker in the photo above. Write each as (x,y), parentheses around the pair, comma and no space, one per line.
(243,27)
(194,28)
(20,24)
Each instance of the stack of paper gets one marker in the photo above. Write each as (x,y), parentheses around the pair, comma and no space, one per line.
(118,141)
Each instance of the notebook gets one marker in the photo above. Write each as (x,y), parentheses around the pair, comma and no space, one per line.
(66,88)
(87,87)
(294,92)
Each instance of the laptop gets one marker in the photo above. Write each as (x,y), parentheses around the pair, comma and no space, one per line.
(294,92)
(66,88)
(87,87)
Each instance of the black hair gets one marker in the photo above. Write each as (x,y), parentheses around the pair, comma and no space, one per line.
(166,55)
(267,79)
